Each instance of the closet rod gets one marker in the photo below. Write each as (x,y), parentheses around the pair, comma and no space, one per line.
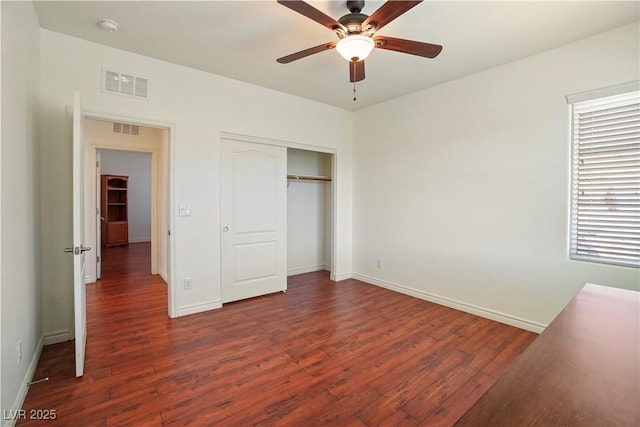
(308,178)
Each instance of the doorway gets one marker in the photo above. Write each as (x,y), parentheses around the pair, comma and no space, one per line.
(125,213)
(143,142)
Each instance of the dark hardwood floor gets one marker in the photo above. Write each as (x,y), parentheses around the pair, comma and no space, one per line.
(323,353)
(124,262)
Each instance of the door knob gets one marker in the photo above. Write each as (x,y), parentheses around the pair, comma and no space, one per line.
(77,250)
(225,229)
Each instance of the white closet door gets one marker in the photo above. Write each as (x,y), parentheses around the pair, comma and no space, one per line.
(254,219)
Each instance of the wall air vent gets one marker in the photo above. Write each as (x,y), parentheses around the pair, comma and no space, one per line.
(125,84)
(126,129)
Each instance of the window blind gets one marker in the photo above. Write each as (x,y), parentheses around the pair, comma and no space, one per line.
(605,184)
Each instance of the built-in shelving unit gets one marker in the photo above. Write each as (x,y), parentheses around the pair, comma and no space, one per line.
(114,210)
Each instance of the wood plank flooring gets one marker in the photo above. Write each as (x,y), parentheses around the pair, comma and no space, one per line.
(323,353)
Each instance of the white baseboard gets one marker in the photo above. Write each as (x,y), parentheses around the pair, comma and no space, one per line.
(164,275)
(139,239)
(198,308)
(7,419)
(56,337)
(343,276)
(303,270)
(458,305)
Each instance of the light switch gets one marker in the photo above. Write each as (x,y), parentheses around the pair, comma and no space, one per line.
(184,210)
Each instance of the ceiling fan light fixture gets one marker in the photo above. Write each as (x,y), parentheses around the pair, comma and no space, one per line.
(355,47)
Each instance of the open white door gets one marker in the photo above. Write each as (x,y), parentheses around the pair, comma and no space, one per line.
(99,217)
(79,291)
(254,219)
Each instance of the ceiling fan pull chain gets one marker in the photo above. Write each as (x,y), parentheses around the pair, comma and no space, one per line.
(352,64)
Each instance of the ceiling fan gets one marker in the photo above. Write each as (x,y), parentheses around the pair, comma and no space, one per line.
(356,33)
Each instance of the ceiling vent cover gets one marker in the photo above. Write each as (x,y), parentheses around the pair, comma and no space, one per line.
(126,129)
(125,84)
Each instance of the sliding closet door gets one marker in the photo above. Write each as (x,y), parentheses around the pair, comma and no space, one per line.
(254,219)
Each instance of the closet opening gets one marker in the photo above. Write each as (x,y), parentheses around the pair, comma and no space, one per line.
(309,211)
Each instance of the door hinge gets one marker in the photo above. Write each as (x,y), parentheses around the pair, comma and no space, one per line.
(168,232)
(97,164)
(97,259)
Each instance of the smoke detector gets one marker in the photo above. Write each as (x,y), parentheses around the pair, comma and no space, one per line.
(108,25)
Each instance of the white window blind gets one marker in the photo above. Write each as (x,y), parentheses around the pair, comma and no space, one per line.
(605,187)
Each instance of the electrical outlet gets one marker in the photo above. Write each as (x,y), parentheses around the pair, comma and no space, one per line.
(187,284)
(379,263)
(19,350)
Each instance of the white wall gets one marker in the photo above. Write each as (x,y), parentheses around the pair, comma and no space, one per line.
(137,166)
(308,212)
(462,189)
(200,106)
(21,286)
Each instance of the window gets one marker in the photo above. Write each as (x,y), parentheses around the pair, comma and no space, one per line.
(605,182)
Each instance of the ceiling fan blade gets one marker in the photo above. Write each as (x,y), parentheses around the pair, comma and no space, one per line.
(388,12)
(306,52)
(412,47)
(312,13)
(356,71)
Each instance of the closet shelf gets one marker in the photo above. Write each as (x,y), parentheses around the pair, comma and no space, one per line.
(307,178)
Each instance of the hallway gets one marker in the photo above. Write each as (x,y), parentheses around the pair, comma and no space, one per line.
(120,262)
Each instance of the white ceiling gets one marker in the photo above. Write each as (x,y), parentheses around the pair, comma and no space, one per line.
(242,39)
